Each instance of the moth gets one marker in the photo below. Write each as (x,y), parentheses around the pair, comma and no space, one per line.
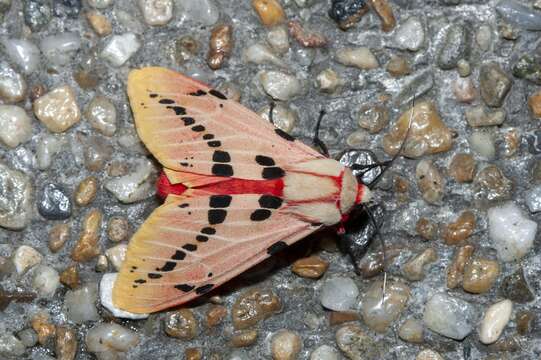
(236,188)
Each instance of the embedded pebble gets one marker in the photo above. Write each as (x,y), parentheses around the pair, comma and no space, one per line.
(312,267)
(426,228)
(156,12)
(325,352)
(285,345)
(410,35)
(100,4)
(28,337)
(279,85)
(379,310)
(121,48)
(261,54)
(15,125)
(460,229)
(515,287)
(100,24)
(46,281)
(215,315)
(455,46)
(220,46)
(398,66)
(102,264)
(329,81)
(60,48)
(278,39)
(483,144)
(47,146)
(519,14)
(464,90)
(385,12)
(70,276)
(13,86)
(533,199)
(181,324)
(25,257)
(414,269)
(411,331)
(80,304)
(480,275)
(373,118)
(11,346)
(270,12)
(525,321)
(101,114)
(254,305)
(455,271)
(37,14)
(135,186)
(534,102)
(87,246)
(494,84)
(197,354)
(428,354)
(107,283)
(339,294)
(428,133)
(97,150)
(106,341)
(116,255)
(65,343)
(477,116)
(494,321)
(58,109)
(304,37)
(86,191)
(449,316)
(118,228)
(462,167)
(358,138)
(360,57)
(527,68)
(41,324)
(244,338)
(204,12)
(58,236)
(347,12)
(491,184)
(430,181)
(511,233)
(54,203)
(356,344)
(463,68)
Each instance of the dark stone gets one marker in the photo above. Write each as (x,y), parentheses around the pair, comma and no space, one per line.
(53,203)
(515,288)
(528,69)
(37,13)
(533,138)
(7,297)
(494,84)
(67,8)
(347,12)
(362,164)
(455,46)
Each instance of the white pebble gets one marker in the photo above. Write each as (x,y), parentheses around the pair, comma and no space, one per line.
(11,346)
(106,340)
(59,49)
(329,81)
(12,84)
(285,345)
(496,318)
(120,48)
(106,298)
(428,354)
(15,125)
(279,85)
(261,54)
(512,233)
(58,109)
(46,281)
(204,12)
(449,316)
(100,4)
(24,53)
(135,186)
(325,352)
(156,12)
(339,294)
(116,255)
(80,304)
(101,114)
(360,57)
(410,35)
(483,37)
(533,199)
(278,39)
(26,257)
(47,146)
(483,144)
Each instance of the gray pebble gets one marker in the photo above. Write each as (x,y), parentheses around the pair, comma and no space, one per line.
(449,316)
(455,46)
(37,14)
(494,84)
(339,294)
(53,203)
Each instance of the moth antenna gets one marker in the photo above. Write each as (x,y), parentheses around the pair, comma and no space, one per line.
(317,141)
(395,156)
(272,105)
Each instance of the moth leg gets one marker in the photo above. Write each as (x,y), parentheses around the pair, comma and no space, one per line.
(272,105)
(317,141)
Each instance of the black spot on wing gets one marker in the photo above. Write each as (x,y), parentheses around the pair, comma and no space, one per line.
(274,248)
(154,276)
(208,230)
(222,169)
(202,238)
(270,202)
(188,120)
(220,201)
(198,128)
(179,110)
(217,94)
(153,95)
(208,137)
(204,289)
(140,281)
(221,156)
(170,265)
(198,93)
(178,255)
(216,216)
(260,215)
(264,160)
(184,287)
(166,101)
(184,205)
(189,247)
(284,135)
(274,172)
(214,143)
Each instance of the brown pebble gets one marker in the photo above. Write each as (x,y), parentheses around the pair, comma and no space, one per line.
(193,354)
(58,236)
(37,91)
(312,267)
(244,338)
(70,276)
(430,181)
(385,13)
(86,79)
(401,185)
(462,168)
(398,66)
(253,306)
(340,317)
(118,228)
(270,12)
(117,168)
(411,331)
(86,191)
(414,269)
(455,272)
(511,142)
(306,38)
(373,118)
(534,102)
(464,90)
(181,324)
(100,24)
(285,345)
(215,315)
(480,275)
(185,49)
(65,343)
(41,325)
(525,321)
(491,184)
(459,230)
(426,228)
(220,46)
(87,247)
(372,263)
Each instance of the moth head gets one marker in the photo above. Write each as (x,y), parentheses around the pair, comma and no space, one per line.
(363,194)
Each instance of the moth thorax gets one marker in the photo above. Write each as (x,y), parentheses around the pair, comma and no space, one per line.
(363,194)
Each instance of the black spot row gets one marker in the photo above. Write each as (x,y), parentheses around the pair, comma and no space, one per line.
(166,101)
(220,201)
(184,287)
(198,93)
(188,120)
(179,110)
(154,276)
(270,202)
(264,160)
(216,216)
(221,156)
(140,281)
(222,169)
(189,247)
(260,215)
(178,255)
(217,94)
(169,266)
(273,172)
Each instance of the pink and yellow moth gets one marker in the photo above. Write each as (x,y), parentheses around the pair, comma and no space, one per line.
(236,188)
